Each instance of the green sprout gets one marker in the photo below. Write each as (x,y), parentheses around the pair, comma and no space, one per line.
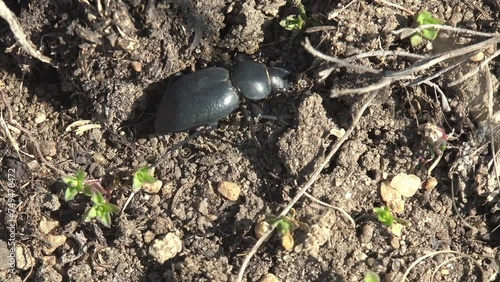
(424,18)
(100,209)
(384,216)
(371,276)
(295,22)
(141,176)
(285,225)
(74,185)
(92,188)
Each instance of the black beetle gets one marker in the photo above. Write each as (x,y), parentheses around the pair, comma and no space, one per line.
(206,96)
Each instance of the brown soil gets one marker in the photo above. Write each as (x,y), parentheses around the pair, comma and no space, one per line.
(96,56)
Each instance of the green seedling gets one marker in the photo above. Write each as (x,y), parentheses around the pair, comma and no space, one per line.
(100,209)
(295,22)
(436,140)
(371,276)
(384,216)
(430,34)
(285,225)
(74,185)
(141,176)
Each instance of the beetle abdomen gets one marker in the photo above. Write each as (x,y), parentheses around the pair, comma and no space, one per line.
(200,98)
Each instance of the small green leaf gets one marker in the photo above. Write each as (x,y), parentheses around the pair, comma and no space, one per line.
(90,214)
(415,40)
(292,22)
(105,219)
(70,181)
(142,175)
(429,33)
(110,208)
(371,277)
(423,17)
(70,193)
(98,199)
(87,191)
(384,215)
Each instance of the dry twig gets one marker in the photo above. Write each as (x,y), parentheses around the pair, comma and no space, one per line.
(19,34)
(308,184)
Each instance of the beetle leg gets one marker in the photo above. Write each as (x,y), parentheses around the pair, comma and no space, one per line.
(251,123)
(198,131)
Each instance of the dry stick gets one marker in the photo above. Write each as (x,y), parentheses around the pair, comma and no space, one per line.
(474,70)
(408,73)
(444,101)
(445,252)
(332,207)
(408,11)
(308,184)
(314,52)
(407,32)
(28,133)
(19,34)
(489,88)
(437,74)
(385,53)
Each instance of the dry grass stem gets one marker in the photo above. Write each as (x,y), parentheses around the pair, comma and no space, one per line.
(19,34)
(407,32)
(333,149)
(474,70)
(332,207)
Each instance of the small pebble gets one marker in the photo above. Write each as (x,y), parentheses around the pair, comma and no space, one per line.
(152,188)
(406,184)
(136,66)
(40,117)
(229,190)
(269,278)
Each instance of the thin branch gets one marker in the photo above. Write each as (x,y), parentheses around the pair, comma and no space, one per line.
(19,34)
(489,88)
(308,184)
(384,2)
(314,52)
(407,32)
(474,70)
(384,53)
(332,207)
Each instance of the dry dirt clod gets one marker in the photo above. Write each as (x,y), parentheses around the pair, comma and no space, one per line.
(164,249)
(23,259)
(229,190)
(40,117)
(388,193)
(55,242)
(45,225)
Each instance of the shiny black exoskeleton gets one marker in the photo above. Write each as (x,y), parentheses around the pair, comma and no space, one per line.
(206,96)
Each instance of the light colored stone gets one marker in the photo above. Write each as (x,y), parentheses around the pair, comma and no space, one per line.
(269,278)
(406,184)
(40,117)
(152,188)
(388,193)
(229,190)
